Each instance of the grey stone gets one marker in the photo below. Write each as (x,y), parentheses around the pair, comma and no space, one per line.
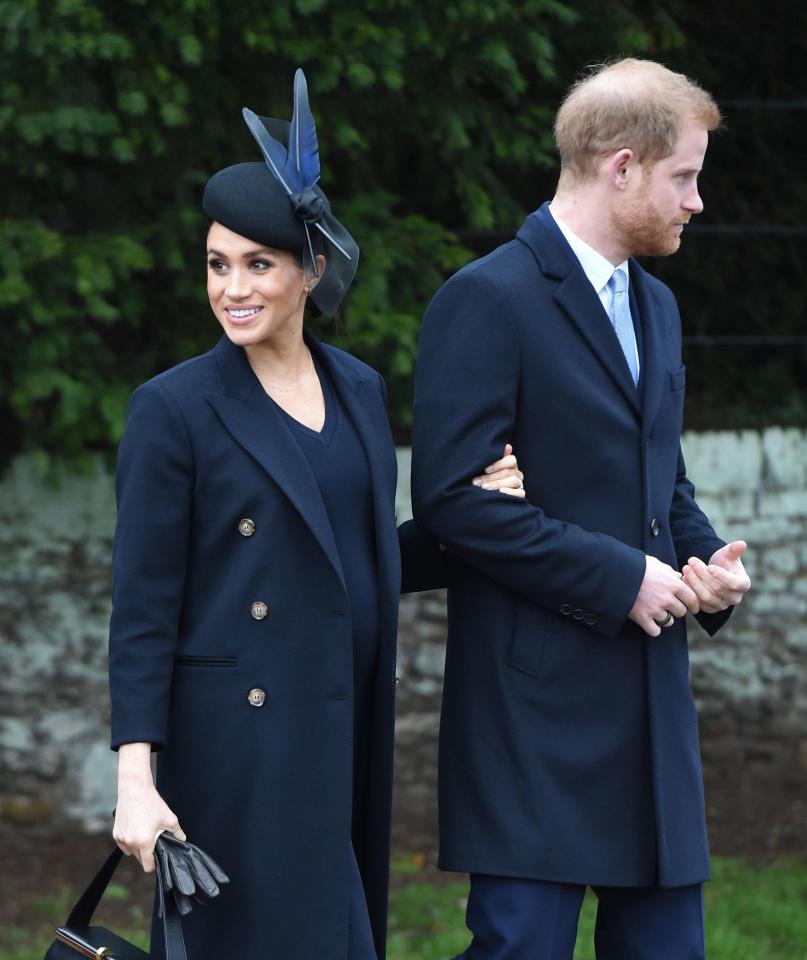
(783,503)
(417,723)
(791,606)
(783,559)
(68,726)
(796,638)
(771,583)
(16,743)
(72,507)
(717,462)
(737,508)
(772,530)
(750,681)
(403,499)
(430,660)
(714,506)
(94,782)
(785,453)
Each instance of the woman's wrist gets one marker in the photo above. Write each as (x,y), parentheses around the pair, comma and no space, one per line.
(134,765)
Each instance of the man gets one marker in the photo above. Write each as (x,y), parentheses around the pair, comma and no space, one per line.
(568,746)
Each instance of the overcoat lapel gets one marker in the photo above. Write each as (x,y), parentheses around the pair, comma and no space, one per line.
(578,300)
(256,424)
(583,307)
(361,399)
(654,368)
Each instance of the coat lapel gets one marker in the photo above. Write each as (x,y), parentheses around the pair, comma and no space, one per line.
(654,367)
(255,423)
(360,396)
(578,300)
(583,307)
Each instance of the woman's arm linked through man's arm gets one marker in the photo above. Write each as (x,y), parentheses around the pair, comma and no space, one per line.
(424,561)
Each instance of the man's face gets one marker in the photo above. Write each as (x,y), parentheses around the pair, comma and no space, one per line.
(651,217)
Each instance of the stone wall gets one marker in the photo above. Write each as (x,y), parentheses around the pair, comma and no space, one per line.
(55,543)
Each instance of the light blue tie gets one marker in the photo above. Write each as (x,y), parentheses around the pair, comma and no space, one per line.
(619,312)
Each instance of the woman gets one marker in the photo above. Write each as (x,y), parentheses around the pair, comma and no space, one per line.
(257,569)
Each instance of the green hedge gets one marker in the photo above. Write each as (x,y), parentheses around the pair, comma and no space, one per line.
(435,129)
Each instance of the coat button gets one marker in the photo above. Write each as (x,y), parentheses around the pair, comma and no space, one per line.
(654,528)
(246,527)
(397,681)
(566,609)
(259,609)
(256,697)
(578,614)
(590,619)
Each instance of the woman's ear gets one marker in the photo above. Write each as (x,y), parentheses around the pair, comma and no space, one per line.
(314,280)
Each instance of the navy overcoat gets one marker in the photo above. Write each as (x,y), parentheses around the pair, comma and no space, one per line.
(569,744)
(231,649)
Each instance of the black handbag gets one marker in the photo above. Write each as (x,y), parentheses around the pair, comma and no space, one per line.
(183,871)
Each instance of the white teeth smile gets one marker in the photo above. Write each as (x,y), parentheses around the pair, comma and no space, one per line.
(240,314)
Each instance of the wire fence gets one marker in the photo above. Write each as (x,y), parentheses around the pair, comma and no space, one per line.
(480,239)
(744,340)
(746,229)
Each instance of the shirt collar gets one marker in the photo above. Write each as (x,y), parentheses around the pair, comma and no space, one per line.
(594,264)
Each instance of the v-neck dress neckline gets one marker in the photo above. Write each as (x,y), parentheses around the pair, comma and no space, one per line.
(325,435)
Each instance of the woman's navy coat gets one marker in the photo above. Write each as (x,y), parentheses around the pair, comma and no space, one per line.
(265,789)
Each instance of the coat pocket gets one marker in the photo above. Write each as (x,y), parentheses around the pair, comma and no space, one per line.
(188,661)
(678,379)
(529,639)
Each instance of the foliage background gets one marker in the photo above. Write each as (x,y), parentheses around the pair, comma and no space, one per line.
(435,134)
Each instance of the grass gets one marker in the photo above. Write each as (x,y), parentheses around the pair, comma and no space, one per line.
(752,914)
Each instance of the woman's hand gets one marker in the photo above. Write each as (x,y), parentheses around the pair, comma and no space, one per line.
(141,813)
(503,475)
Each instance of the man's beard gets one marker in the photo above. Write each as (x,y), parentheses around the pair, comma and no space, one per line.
(643,230)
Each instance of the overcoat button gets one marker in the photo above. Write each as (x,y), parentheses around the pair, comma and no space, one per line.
(397,681)
(256,697)
(246,527)
(566,609)
(590,619)
(259,609)
(654,527)
(578,614)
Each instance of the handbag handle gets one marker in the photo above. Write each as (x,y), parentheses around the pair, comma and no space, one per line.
(87,904)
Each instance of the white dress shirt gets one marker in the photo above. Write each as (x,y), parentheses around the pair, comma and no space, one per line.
(596,267)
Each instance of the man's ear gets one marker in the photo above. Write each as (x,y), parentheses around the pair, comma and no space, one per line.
(621,168)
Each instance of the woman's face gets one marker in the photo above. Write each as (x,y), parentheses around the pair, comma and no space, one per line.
(256,292)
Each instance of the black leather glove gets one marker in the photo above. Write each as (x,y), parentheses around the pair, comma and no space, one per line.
(186,871)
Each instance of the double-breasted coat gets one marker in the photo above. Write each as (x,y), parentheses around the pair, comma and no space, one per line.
(569,745)
(231,649)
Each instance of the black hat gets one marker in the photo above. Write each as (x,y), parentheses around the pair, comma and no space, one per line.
(278,203)
(247,199)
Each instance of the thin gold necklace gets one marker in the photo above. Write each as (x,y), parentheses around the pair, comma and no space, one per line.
(299,383)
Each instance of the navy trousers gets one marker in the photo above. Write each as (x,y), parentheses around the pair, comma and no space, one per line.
(513,919)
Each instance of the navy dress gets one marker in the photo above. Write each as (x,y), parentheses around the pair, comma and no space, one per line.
(338,461)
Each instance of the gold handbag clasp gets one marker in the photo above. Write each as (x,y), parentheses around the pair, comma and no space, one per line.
(81,946)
